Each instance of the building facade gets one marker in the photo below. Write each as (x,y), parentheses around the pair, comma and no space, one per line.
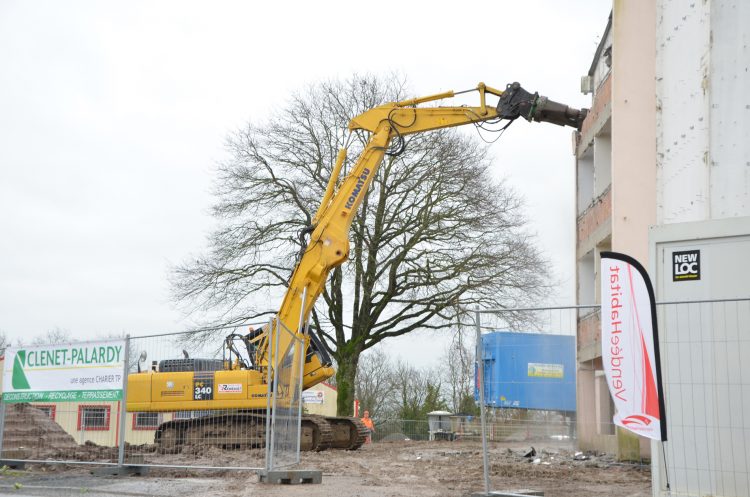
(663,170)
(615,198)
(703,210)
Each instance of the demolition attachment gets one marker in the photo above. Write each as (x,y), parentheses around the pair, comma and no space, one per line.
(515,102)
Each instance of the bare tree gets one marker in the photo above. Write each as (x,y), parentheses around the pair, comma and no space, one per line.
(458,369)
(417,392)
(4,342)
(133,354)
(434,230)
(375,387)
(55,335)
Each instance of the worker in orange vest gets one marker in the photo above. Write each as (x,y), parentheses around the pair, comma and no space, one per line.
(367,421)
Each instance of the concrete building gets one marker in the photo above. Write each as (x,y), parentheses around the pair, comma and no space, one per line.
(663,169)
(593,152)
(703,209)
(616,202)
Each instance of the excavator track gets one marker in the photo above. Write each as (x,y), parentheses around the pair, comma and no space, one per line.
(226,431)
(316,435)
(247,430)
(348,433)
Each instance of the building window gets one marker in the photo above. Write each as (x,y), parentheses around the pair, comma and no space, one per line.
(49,410)
(91,418)
(146,420)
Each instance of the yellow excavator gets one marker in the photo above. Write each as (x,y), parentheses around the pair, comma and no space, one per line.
(241,385)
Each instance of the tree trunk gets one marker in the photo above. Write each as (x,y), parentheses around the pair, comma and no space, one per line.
(345,381)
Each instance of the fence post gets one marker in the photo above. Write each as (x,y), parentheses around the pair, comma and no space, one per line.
(302,355)
(2,425)
(274,390)
(480,361)
(124,403)
(268,394)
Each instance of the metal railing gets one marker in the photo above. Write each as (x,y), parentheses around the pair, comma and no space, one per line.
(501,427)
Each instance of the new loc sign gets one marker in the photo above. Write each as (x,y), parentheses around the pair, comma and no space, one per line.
(84,371)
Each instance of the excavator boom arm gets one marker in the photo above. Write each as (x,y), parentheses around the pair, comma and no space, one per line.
(329,241)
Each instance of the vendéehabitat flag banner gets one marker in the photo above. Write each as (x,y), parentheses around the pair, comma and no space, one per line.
(630,346)
(71,372)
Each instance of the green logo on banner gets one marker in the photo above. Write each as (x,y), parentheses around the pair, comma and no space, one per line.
(19,380)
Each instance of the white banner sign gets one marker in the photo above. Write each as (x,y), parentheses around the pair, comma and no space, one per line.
(313,397)
(539,370)
(84,371)
(630,351)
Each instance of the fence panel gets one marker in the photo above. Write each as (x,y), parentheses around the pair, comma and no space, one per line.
(201,371)
(503,426)
(530,366)
(61,402)
(706,383)
(286,410)
(207,407)
(704,348)
(543,379)
(395,430)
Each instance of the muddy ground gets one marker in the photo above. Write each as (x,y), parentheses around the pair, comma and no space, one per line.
(415,469)
(420,469)
(412,468)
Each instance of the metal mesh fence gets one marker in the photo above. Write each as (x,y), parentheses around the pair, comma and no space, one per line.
(706,389)
(64,432)
(206,408)
(285,428)
(704,346)
(195,372)
(706,385)
(503,425)
(541,379)
(63,402)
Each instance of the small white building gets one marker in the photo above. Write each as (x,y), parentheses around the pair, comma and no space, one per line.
(320,399)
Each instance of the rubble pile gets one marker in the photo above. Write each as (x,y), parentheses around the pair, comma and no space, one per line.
(30,434)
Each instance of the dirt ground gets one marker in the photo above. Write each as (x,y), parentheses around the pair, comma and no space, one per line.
(422,469)
(415,469)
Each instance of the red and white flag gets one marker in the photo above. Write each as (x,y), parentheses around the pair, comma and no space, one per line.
(630,346)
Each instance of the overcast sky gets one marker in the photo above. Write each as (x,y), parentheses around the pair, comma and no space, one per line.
(113,116)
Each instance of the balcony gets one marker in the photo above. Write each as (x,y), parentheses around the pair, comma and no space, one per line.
(589,336)
(595,220)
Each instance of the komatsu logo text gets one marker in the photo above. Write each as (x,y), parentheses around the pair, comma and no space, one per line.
(357,189)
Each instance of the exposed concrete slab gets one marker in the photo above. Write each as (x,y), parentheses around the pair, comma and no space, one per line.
(291,477)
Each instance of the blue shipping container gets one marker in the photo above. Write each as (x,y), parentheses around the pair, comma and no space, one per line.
(529,371)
